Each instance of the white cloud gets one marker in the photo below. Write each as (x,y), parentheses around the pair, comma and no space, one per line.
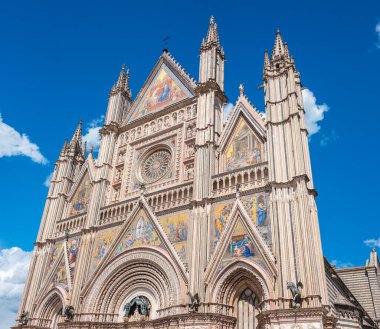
(314,112)
(13,143)
(48,179)
(372,243)
(377,29)
(227,110)
(14,264)
(340,264)
(92,136)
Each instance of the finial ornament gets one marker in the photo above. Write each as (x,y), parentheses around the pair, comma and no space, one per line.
(212,21)
(241,89)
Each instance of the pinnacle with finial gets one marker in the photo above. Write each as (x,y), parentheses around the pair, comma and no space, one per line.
(77,134)
(278,48)
(241,89)
(212,33)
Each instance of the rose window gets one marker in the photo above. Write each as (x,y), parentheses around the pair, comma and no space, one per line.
(155,165)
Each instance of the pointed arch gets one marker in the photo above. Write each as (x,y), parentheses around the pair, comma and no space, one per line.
(145,271)
(50,306)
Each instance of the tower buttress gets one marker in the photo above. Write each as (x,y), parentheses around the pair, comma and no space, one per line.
(297,242)
(211,98)
(69,162)
(120,100)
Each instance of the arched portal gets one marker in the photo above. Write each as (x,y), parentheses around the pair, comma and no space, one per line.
(242,286)
(145,272)
(50,313)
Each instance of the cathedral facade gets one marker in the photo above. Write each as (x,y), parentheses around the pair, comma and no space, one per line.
(184,220)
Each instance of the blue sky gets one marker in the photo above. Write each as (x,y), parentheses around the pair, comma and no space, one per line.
(59,60)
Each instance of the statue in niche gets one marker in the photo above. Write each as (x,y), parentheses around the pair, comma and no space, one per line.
(189,172)
(121,156)
(133,135)
(180,116)
(137,309)
(152,127)
(146,130)
(190,151)
(174,118)
(159,124)
(188,112)
(116,195)
(166,121)
(118,175)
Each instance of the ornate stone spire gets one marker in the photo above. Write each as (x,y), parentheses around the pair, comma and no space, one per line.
(121,80)
(212,38)
(278,48)
(266,59)
(63,150)
(77,137)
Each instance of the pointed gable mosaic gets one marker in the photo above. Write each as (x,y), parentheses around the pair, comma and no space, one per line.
(140,232)
(244,148)
(241,246)
(81,198)
(164,90)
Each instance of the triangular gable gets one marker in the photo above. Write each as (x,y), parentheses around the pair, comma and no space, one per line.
(141,232)
(240,240)
(141,229)
(167,84)
(243,108)
(61,264)
(80,193)
(243,145)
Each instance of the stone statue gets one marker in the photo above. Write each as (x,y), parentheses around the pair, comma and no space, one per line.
(24,318)
(195,301)
(296,293)
(69,312)
(140,303)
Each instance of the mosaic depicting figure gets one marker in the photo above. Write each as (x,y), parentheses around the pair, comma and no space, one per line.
(54,253)
(141,232)
(244,148)
(73,251)
(60,277)
(218,221)
(176,228)
(102,243)
(257,207)
(162,92)
(241,245)
(81,198)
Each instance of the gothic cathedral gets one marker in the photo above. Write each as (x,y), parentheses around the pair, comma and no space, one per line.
(185,220)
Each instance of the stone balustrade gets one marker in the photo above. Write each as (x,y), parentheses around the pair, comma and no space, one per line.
(251,177)
(73,224)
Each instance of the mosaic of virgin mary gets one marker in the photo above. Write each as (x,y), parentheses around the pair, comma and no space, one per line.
(163,92)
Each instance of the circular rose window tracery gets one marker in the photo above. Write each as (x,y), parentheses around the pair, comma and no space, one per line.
(155,166)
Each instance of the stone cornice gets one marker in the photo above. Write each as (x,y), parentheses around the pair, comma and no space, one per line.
(211,85)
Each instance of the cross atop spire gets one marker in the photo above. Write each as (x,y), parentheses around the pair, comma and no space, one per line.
(278,48)
(212,37)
